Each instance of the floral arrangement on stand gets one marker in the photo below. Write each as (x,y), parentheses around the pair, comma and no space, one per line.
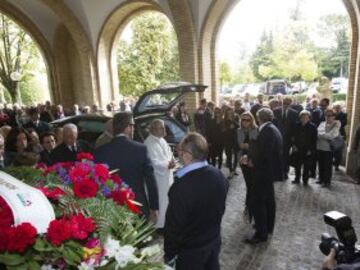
(97,223)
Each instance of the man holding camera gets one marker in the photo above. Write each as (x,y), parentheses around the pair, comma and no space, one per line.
(330,263)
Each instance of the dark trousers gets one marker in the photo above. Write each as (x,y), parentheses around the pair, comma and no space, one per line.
(302,160)
(325,159)
(206,258)
(286,158)
(313,165)
(231,158)
(338,157)
(248,174)
(263,209)
(216,155)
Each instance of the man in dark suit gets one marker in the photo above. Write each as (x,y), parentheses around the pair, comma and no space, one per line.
(196,206)
(267,164)
(68,150)
(35,122)
(285,120)
(132,160)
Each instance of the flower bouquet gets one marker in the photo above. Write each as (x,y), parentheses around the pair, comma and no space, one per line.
(96,226)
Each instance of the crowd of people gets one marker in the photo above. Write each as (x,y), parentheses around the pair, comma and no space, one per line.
(261,137)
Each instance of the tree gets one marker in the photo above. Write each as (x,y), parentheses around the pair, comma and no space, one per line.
(150,58)
(18,53)
(262,55)
(334,61)
(225,74)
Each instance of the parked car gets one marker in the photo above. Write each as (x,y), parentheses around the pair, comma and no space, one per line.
(274,87)
(153,104)
(339,85)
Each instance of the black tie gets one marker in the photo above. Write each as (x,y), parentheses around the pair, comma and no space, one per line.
(73,148)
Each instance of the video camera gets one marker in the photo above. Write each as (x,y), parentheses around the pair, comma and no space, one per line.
(346,251)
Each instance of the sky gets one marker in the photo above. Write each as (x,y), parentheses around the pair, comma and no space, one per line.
(245,24)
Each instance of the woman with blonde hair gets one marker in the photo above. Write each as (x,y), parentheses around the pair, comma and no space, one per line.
(246,136)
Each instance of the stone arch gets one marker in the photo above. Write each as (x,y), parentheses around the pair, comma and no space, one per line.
(44,47)
(84,82)
(116,22)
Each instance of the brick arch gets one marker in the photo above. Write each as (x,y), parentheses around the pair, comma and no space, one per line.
(84,82)
(109,34)
(215,17)
(45,49)
(116,22)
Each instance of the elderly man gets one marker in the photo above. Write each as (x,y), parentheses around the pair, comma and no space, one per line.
(106,136)
(163,162)
(267,164)
(131,158)
(70,147)
(196,206)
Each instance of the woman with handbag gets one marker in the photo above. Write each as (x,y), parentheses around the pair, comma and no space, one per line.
(247,135)
(327,132)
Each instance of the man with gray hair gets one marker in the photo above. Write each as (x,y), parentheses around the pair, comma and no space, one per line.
(196,206)
(267,166)
(163,162)
(70,147)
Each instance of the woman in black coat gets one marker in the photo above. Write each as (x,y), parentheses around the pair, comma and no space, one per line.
(215,139)
(231,146)
(304,146)
(182,116)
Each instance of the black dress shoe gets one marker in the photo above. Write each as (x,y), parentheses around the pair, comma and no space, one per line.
(255,240)
(295,182)
(318,182)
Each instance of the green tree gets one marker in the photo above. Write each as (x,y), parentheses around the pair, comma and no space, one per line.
(18,53)
(225,74)
(334,61)
(150,58)
(262,55)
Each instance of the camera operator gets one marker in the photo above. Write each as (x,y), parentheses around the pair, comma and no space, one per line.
(330,263)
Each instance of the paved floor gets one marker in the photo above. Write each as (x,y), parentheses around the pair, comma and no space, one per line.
(299,225)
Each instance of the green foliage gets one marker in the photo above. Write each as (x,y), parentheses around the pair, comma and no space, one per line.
(150,58)
(18,53)
(291,54)
(225,73)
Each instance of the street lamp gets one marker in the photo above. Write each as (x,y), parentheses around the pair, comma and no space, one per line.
(16,77)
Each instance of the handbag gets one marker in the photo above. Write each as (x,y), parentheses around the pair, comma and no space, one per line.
(337,143)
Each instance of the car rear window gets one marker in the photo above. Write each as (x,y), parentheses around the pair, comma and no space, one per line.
(91,126)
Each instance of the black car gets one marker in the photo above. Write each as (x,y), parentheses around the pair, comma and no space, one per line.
(153,104)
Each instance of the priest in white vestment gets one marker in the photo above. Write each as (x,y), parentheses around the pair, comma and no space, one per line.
(163,162)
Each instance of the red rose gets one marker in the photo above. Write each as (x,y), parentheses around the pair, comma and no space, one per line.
(6,215)
(102,172)
(4,232)
(132,207)
(120,196)
(84,155)
(21,237)
(52,194)
(78,173)
(116,179)
(81,226)
(85,189)
(58,231)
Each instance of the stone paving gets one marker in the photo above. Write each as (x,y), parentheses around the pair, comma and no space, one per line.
(299,225)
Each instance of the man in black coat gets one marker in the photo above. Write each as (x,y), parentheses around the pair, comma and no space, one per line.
(305,137)
(133,163)
(68,150)
(266,161)
(196,206)
(285,120)
(35,122)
